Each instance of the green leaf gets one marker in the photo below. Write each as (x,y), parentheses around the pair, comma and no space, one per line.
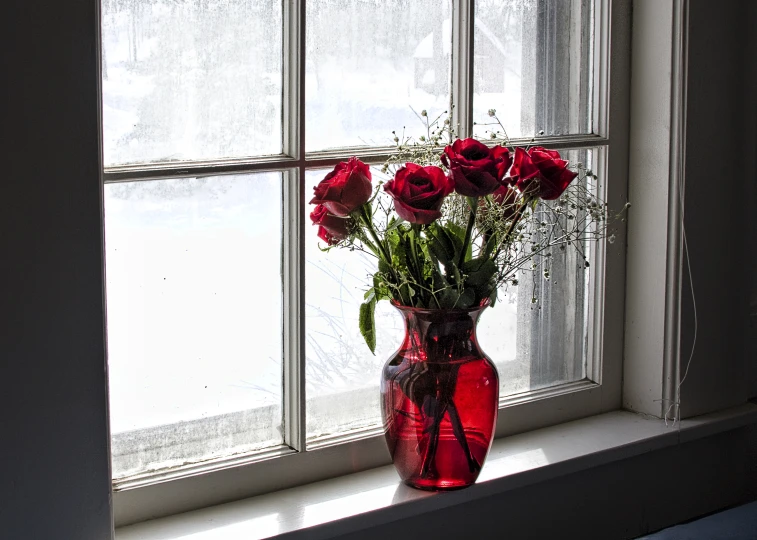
(394,223)
(479,273)
(437,280)
(367,323)
(442,243)
(448,298)
(456,230)
(428,254)
(490,245)
(437,250)
(466,299)
(399,251)
(458,246)
(369,295)
(472,265)
(487,290)
(457,235)
(452,273)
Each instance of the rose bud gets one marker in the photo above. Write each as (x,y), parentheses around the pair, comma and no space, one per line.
(419,192)
(540,173)
(475,168)
(345,189)
(332,229)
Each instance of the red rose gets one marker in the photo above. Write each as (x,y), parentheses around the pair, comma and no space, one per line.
(331,229)
(419,192)
(522,169)
(345,189)
(475,168)
(541,172)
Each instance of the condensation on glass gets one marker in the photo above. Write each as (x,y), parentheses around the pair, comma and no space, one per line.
(191,80)
(194,319)
(533,65)
(372,67)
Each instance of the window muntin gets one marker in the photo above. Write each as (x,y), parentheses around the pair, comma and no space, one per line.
(328,417)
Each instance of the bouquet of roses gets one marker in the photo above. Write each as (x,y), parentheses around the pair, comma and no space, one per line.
(454,224)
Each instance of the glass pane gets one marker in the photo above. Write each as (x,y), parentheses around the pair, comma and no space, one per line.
(194,319)
(342,375)
(533,66)
(190,80)
(369,64)
(536,333)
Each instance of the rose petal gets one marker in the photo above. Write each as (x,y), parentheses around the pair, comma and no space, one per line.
(522,169)
(474,183)
(503,160)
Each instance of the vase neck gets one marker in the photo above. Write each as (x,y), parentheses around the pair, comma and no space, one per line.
(440,335)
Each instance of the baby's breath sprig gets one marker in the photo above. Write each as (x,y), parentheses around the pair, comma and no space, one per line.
(423,150)
(495,135)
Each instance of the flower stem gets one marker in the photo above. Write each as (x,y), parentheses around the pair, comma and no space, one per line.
(415,234)
(459,431)
(510,229)
(473,203)
(366,218)
(383,253)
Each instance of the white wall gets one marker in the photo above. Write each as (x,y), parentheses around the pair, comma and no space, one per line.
(717,144)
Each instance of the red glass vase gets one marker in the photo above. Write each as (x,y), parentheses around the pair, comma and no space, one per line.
(439,397)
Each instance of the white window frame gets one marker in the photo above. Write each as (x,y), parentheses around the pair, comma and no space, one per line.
(221,480)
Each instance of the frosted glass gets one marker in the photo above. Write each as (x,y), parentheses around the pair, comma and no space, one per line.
(369,64)
(194,318)
(191,80)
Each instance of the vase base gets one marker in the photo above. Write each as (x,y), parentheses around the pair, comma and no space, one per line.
(436,485)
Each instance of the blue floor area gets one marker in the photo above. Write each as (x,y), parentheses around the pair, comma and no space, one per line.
(738,523)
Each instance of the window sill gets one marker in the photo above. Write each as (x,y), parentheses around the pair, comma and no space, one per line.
(331,507)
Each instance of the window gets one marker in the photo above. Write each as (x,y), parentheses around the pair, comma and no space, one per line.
(233,339)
